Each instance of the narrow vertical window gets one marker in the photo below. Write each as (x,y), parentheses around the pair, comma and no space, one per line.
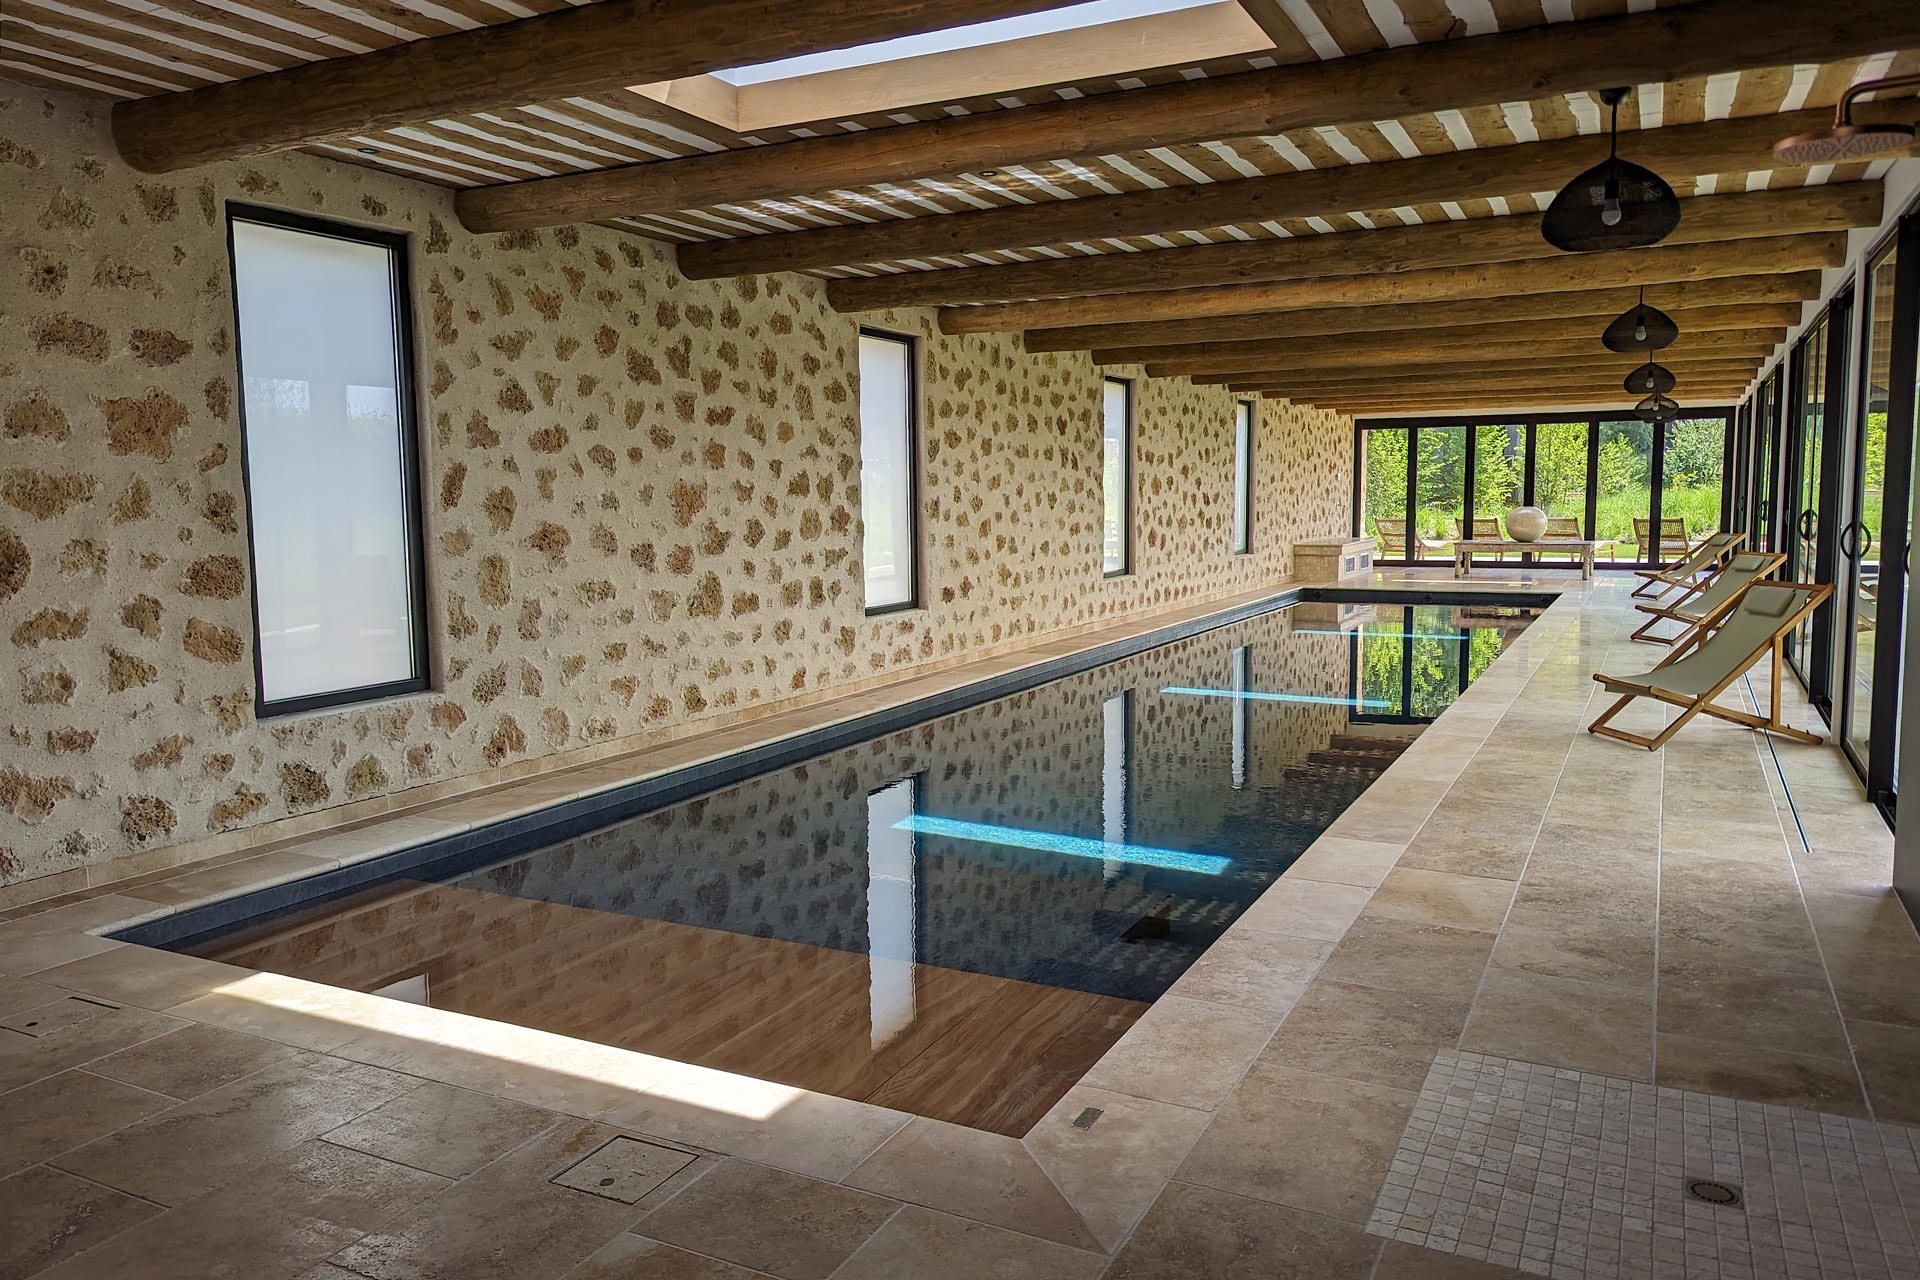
(1116,476)
(328,450)
(1242,477)
(887,449)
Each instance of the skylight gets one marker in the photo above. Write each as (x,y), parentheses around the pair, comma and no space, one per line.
(1068,18)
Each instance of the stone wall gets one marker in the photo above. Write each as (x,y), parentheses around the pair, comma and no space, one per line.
(640,495)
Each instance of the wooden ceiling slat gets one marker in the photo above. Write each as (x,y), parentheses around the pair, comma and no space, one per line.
(1349,25)
(1507,171)
(1710,35)
(1289,45)
(43,72)
(1415,380)
(140,70)
(1600,365)
(129,41)
(1706,219)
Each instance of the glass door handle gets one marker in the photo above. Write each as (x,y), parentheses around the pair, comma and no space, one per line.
(1852,531)
(1807,518)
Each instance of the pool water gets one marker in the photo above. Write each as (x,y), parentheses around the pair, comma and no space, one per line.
(955,919)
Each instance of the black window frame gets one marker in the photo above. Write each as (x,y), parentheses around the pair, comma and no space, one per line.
(1126,489)
(1472,422)
(914,598)
(1243,546)
(400,278)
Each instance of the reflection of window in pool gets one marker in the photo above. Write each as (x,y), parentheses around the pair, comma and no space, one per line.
(413,989)
(891,945)
(1116,742)
(1241,709)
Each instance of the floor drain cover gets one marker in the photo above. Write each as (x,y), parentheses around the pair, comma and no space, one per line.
(1716,1193)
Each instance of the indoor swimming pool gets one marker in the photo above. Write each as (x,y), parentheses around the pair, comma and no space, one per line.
(955,918)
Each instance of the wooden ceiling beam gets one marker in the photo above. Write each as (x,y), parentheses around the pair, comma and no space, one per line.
(1714,386)
(1662,264)
(1704,219)
(1448,407)
(594,48)
(1717,146)
(1743,342)
(1759,291)
(1704,38)
(1491,336)
(1345,381)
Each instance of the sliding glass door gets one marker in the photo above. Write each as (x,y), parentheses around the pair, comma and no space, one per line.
(1872,545)
(1421,485)
(1820,376)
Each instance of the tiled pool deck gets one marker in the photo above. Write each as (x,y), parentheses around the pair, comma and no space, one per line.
(1512,888)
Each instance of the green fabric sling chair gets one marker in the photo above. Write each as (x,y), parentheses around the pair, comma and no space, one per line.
(1712,657)
(1710,598)
(1712,550)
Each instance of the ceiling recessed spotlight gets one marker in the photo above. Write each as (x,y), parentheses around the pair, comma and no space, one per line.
(368,151)
(989,173)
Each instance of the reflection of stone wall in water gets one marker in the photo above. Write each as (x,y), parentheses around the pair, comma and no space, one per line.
(785,855)
(640,499)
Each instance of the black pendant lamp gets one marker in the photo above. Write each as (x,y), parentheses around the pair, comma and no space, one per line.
(1650,380)
(1614,205)
(1641,328)
(1656,408)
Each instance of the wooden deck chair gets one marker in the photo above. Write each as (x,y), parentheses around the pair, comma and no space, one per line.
(1712,658)
(1393,538)
(1488,527)
(1673,536)
(1707,600)
(1713,550)
(1560,527)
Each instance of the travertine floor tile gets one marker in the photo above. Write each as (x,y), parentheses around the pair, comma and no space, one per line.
(448,1131)
(24,1058)
(1617,953)
(207,1142)
(47,1215)
(1439,897)
(1889,1061)
(143,976)
(1186,1052)
(782,1223)
(1366,1033)
(1337,860)
(296,1209)
(507,1222)
(1110,1166)
(1307,1141)
(191,1061)
(1414,1262)
(56,1114)
(1564,1023)
(1302,908)
(1196,1231)
(937,1246)
(1758,1074)
(1252,970)
(631,1257)
(1782,1012)
(1402,955)
(981,1176)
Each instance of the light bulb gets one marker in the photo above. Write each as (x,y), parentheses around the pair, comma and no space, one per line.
(1640,330)
(1610,207)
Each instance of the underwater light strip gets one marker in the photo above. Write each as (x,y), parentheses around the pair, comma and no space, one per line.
(1277,697)
(1205,864)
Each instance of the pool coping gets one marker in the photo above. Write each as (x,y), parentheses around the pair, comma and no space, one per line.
(819,1135)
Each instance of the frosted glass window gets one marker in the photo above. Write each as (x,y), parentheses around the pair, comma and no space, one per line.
(1242,478)
(1116,476)
(886,470)
(330,465)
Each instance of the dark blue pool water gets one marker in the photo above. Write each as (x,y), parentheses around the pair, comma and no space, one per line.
(1012,883)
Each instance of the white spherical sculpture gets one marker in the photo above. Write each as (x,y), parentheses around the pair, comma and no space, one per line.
(1526,524)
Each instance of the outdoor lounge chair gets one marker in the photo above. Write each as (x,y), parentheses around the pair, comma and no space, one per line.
(1713,657)
(1568,527)
(1707,600)
(1711,551)
(1393,539)
(1673,536)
